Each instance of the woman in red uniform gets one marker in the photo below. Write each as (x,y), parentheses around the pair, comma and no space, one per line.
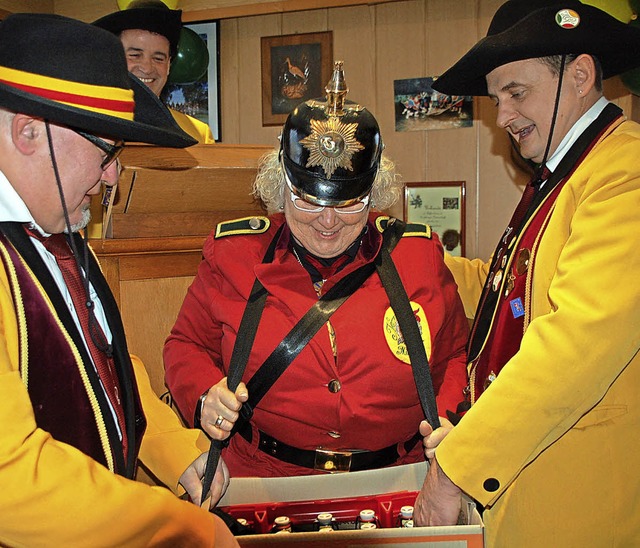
(348,400)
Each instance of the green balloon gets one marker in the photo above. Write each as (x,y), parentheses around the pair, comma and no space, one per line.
(192,60)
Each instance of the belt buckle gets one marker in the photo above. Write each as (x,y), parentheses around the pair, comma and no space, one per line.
(332,461)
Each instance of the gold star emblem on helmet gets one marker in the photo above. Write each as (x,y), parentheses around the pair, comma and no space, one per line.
(331,145)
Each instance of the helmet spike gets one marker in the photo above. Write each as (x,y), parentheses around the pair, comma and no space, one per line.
(336,90)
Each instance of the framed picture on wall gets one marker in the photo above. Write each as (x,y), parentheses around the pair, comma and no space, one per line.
(199,99)
(295,68)
(442,206)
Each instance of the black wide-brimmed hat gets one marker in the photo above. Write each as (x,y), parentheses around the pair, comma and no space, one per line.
(331,147)
(527,29)
(150,15)
(73,74)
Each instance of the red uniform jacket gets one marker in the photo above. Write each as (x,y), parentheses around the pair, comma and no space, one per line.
(377,404)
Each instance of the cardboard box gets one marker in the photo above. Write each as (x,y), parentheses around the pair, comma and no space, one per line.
(260,500)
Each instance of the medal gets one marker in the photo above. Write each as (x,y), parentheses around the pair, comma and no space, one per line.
(510,284)
(496,280)
(522,261)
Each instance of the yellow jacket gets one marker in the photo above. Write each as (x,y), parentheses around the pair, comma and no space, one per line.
(55,495)
(194,127)
(559,429)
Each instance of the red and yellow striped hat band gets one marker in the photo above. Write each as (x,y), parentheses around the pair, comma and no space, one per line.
(110,101)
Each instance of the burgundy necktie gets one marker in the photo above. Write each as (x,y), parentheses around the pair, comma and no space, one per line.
(58,246)
(527,197)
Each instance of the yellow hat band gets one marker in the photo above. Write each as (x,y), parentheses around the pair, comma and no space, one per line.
(106,100)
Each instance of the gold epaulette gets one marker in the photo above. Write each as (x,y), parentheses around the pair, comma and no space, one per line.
(245,225)
(412,229)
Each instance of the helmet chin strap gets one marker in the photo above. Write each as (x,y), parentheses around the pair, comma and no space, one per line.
(554,116)
(84,272)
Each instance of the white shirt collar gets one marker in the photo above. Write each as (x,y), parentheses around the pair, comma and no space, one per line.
(12,206)
(578,129)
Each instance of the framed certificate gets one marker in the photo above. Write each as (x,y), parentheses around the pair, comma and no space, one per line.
(442,206)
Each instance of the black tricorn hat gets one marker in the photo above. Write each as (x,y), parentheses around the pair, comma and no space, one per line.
(150,15)
(527,29)
(331,148)
(74,74)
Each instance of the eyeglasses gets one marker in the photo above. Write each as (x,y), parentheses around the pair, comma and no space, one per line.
(303,205)
(111,151)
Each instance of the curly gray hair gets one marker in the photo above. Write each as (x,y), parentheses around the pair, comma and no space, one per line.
(269,185)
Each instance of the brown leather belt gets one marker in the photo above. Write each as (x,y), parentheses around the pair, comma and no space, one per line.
(328,460)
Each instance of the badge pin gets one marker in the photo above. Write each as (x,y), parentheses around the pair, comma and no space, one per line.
(496,280)
(490,378)
(522,261)
(331,145)
(517,309)
(511,279)
(567,19)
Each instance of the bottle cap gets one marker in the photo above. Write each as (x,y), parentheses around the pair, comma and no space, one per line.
(407,512)
(368,525)
(367,515)
(325,518)
(282,521)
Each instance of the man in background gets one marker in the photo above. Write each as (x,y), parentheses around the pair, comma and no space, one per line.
(150,32)
(77,411)
(549,442)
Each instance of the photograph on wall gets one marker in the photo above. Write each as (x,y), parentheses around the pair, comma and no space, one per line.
(419,107)
(441,205)
(193,86)
(295,68)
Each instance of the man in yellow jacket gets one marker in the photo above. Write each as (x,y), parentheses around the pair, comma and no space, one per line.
(150,33)
(77,411)
(550,441)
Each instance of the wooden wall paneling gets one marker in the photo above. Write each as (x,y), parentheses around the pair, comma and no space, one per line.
(250,30)
(230,81)
(400,53)
(149,310)
(192,10)
(354,43)
(452,153)
(8,7)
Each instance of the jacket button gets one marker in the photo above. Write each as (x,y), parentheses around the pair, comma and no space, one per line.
(334,386)
(491,485)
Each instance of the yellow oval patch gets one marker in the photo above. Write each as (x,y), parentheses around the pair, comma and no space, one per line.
(394,337)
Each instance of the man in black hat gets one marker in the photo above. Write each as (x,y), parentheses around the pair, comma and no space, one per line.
(150,33)
(553,353)
(77,411)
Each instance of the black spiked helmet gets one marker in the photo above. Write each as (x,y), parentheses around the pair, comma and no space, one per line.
(74,74)
(330,148)
(527,29)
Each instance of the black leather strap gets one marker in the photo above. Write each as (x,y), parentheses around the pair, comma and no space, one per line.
(409,327)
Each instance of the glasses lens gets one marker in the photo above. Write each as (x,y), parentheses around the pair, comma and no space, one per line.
(111,152)
(353,208)
(112,156)
(303,205)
